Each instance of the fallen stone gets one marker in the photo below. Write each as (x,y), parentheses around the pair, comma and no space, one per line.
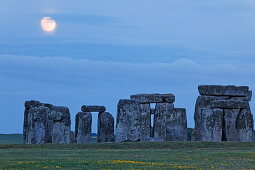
(229,104)
(83,123)
(153,98)
(176,125)
(161,111)
(86,108)
(105,128)
(217,90)
(128,126)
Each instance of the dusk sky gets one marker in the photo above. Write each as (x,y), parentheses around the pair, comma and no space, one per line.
(105,50)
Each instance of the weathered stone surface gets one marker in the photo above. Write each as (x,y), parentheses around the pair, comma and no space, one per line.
(72,137)
(211,125)
(176,125)
(229,104)
(191,134)
(105,131)
(244,125)
(83,123)
(86,108)
(153,98)
(229,132)
(217,90)
(161,111)
(145,122)
(128,126)
(45,123)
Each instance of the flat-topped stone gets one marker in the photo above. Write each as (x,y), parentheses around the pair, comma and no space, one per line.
(218,90)
(153,98)
(229,104)
(90,108)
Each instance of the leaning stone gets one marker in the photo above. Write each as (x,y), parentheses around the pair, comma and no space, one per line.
(86,108)
(229,104)
(145,122)
(176,125)
(83,123)
(217,90)
(128,121)
(154,98)
(161,111)
(105,127)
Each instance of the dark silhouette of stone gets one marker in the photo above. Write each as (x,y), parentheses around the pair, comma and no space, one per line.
(176,125)
(128,121)
(45,123)
(86,108)
(105,127)
(161,111)
(83,122)
(229,104)
(153,98)
(72,137)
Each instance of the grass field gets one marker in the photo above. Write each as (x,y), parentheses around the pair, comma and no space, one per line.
(156,155)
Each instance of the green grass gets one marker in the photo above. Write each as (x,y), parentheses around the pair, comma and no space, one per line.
(156,155)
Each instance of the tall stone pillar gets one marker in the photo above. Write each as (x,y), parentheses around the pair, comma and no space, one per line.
(105,130)
(83,122)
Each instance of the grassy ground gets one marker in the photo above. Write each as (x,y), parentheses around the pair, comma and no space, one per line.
(156,155)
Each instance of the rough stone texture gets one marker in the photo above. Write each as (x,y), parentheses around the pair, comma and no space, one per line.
(45,123)
(72,137)
(191,134)
(83,123)
(225,116)
(217,90)
(105,129)
(161,111)
(176,125)
(244,125)
(229,104)
(128,121)
(153,98)
(86,108)
(145,122)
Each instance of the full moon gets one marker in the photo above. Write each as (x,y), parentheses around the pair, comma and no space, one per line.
(48,24)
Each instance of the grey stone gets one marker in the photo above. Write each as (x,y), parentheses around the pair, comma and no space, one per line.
(41,126)
(128,121)
(217,90)
(244,126)
(153,98)
(152,111)
(86,108)
(105,127)
(191,134)
(229,125)
(145,122)
(176,125)
(83,122)
(229,104)
(161,111)
(72,137)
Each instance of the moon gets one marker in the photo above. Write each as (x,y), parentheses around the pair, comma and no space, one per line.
(48,24)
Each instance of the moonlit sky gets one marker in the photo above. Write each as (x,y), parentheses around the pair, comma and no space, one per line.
(103,51)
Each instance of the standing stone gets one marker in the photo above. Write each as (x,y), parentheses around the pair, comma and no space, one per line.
(40,126)
(72,137)
(161,111)
(244,125)
(61,126)
(128,121)
(83,122)
(105,127)
(145,122)
(176,125)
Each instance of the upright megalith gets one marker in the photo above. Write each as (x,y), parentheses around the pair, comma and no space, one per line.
(176,125)
(83,121)
(128,127)
(105,131)
(45,123)
(222,113)
(134,119)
